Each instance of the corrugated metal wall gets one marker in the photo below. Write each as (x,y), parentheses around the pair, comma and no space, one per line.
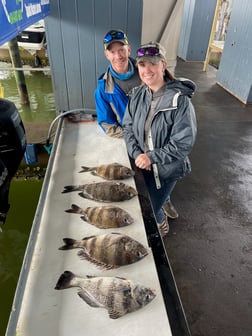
(75,30)
(196,29)
(235,71)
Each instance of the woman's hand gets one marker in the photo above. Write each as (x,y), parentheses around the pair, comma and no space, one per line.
(143,162)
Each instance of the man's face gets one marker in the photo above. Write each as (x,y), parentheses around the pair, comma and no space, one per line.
(118,55)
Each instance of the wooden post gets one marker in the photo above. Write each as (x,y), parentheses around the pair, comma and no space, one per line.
(208,54)
(19,74)
(1,91)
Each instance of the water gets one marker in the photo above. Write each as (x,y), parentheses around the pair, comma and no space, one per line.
(24,194)
(39,85)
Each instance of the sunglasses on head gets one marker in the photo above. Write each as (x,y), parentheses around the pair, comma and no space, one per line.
(148,51)
(114,36)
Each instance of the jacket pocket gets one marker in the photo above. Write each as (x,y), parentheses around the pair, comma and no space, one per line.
(174,170)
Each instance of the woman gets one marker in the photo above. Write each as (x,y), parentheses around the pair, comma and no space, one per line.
(159,128)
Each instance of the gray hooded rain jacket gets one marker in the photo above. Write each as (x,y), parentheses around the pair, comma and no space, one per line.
(172,129)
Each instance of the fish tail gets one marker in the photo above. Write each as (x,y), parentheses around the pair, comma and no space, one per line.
(74,209)
(64,280)
(85,169)
(70,188)
(69,244)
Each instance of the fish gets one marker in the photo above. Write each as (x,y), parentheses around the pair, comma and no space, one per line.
(119,296)
(109,191)
(112,171)
(103,217)
(108,251)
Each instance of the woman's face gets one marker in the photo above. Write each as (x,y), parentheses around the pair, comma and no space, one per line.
(152,74)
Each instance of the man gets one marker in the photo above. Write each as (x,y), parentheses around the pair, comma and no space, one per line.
(12,148)
(114,86)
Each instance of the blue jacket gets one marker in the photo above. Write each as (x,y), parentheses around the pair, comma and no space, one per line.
(111,101)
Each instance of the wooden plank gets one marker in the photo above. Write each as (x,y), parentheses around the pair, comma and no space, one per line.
(216,14)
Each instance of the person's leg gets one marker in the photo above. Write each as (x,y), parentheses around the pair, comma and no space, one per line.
(168,207)
(170,210)
(158,197)
(4,193)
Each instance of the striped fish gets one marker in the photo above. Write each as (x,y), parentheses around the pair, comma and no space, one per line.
(103,217)
(108,251)
(103,191)
(112,171)
(119,296)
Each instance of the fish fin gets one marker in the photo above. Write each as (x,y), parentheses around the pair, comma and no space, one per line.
(84,217)
(90,197)
(83,254)
(89,237)
(85,169)
(113,314)
(94,173)
(69,244)
(89,299)
(88,276)
(98,225)
(85,195)
(74,209)
(70,188)
(121,278)
(64,280)
(125,288)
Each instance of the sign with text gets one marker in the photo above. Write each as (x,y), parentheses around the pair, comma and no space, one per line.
(17,15)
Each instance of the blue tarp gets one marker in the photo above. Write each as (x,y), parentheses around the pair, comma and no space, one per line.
(31,154)
(17,15)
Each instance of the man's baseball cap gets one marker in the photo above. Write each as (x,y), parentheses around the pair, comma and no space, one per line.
(114,35)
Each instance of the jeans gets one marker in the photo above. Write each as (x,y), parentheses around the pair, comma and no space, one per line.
(158,196)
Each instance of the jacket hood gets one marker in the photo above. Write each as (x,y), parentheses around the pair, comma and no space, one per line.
(185,85)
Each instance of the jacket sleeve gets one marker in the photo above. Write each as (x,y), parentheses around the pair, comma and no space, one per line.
(131,142)
(114,131)
(105,115)
(182,136)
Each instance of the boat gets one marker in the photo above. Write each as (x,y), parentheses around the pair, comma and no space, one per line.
(31,39)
